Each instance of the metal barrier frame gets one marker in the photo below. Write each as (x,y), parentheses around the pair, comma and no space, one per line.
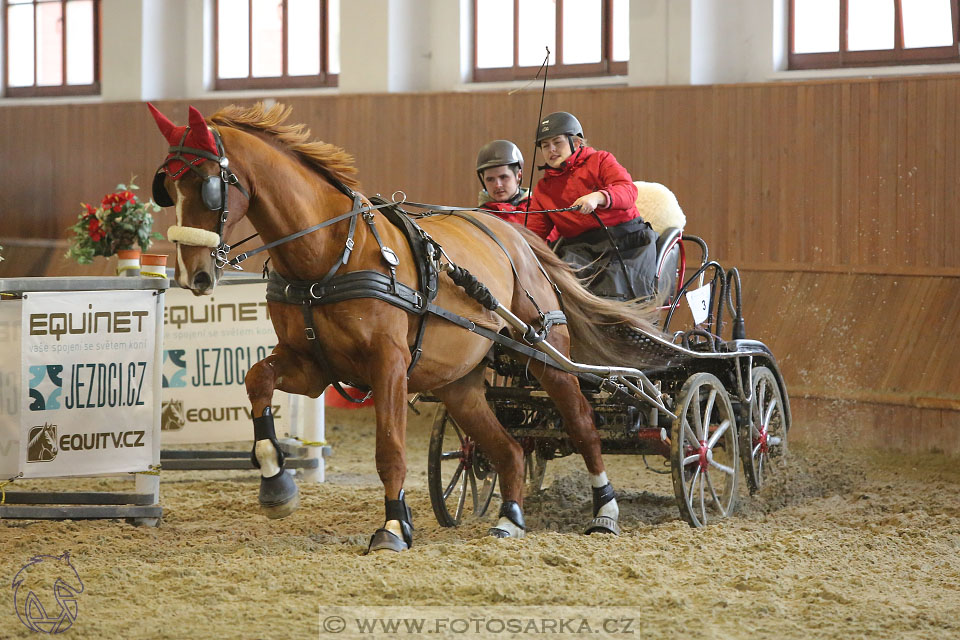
(143,505)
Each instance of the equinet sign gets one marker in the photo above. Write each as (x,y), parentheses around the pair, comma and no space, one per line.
(60,324)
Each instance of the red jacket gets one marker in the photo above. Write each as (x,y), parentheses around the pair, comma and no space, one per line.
(515,213)
(507,210)
(586,171)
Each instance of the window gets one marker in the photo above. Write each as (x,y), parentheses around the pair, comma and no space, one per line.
(853,33)
(270,44)
(53,47)
(585,38)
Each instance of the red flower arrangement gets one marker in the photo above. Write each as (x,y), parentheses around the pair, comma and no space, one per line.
(120,222)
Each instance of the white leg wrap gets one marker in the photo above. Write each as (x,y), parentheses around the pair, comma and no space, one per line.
(268,458)
(599,480)
(505,525)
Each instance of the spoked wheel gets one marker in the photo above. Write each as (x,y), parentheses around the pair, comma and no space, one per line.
(459,476)
(704,451)
(764,437)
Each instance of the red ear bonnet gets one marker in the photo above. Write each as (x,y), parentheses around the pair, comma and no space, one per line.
(198,137)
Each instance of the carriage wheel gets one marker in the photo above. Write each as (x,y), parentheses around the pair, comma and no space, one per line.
(459,476)
(704,451)
(764,437)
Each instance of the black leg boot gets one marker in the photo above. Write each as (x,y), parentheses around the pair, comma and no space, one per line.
(386,540)
(603,524)
(279,496)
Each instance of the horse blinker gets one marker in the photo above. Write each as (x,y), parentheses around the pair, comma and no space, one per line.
(160,194)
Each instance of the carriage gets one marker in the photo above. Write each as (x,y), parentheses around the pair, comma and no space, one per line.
(362,291)
(708,404)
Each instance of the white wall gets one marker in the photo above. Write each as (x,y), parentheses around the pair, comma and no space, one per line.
(121,58)
(426,45)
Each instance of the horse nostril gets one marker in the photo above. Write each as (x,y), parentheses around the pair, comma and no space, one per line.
(202,281)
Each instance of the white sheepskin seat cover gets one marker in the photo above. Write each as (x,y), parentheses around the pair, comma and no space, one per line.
(658,206)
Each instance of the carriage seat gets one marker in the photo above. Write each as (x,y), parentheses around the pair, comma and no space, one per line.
(659,207)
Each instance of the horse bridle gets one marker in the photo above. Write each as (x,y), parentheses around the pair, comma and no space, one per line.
(214,190)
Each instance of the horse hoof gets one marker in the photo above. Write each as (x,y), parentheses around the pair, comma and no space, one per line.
(497,532)
(603,524)
(279,496)
(384,540)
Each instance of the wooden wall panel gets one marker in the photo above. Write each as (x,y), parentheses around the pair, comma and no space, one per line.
(837,198)
(855,173)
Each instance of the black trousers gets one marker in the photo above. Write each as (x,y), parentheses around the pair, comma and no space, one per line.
(630,274)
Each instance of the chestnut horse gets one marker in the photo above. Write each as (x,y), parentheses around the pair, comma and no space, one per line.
(284,183)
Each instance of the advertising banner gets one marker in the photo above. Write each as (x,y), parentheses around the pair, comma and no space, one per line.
(210,342)
(87,404)
(9,388)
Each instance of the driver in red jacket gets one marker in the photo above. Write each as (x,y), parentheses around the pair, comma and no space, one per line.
(605,236)
(580,176)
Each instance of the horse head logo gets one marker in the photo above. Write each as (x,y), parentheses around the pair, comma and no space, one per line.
(172,417)
(43,443)
(32,589)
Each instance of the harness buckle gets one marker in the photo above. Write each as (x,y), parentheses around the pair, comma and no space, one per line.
(314,295)
(221,256)
(311,334)
(350,244)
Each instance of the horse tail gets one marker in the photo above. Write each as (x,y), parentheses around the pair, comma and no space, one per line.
(592,320)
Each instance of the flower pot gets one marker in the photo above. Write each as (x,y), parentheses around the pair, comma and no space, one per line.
(153,265)
(128,262)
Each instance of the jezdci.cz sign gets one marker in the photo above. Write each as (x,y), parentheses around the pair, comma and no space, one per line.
(87,382)
(210,343)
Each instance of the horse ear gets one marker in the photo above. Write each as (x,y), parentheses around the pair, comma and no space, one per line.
(199,132)
(166,127)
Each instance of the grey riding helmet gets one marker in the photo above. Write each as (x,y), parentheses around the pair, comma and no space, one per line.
(496,154)
(558,124)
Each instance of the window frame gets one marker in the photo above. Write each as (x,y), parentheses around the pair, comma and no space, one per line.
(283,81)
(898,55)
(63,89)
(605,67)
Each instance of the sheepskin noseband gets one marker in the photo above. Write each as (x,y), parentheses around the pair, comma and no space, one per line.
(193,236)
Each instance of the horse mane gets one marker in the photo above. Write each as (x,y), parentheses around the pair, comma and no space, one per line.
(327,159)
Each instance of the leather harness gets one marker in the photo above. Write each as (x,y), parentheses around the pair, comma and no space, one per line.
(368,283)
(365,283)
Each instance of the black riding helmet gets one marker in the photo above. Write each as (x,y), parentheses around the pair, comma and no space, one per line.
(558,124)
(496,154)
